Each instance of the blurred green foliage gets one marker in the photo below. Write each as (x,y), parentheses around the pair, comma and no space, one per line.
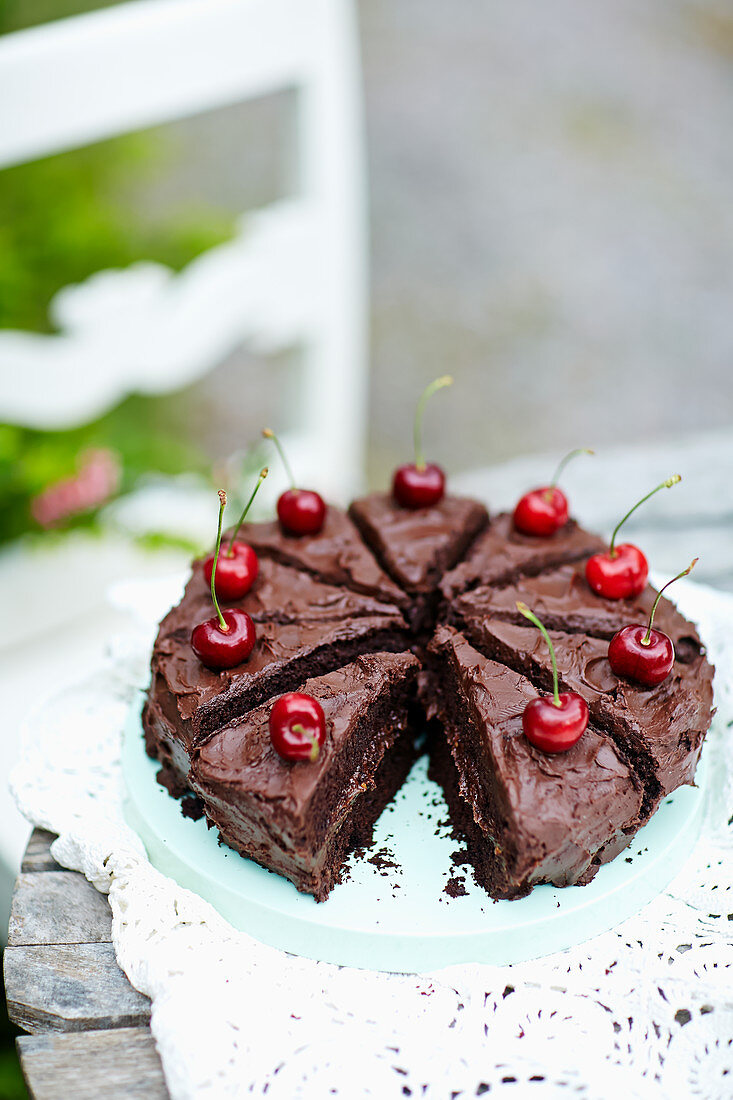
(137,431)
(62,219)
(16,15)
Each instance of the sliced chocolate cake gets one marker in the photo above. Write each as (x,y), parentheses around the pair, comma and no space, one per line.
(301,819)
(334,614)
(501,553)
(661,729)
(417,546)
(336,555)
(528,816)
(563,600)
(303,628)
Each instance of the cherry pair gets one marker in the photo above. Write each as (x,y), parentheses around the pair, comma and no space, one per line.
(619,573)
(556,723)
(226,639)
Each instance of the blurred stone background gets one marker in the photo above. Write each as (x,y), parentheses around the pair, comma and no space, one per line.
(551,221)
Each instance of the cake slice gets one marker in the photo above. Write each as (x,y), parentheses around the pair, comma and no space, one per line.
(336,555)
(661,729)
(529,817)
(564,601)
(501,554)
(417,546)
(301,819)
(303,628)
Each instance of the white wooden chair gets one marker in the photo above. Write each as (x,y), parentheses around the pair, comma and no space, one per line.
(293,275)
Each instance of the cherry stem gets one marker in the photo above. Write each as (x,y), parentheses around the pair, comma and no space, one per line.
(522,607)
(315,747)
(438,384)
(664,485)
(269,434)
(222,506)
(263,474)
(646,640)
(568,458)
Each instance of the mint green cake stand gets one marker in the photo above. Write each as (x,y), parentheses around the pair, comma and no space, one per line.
(393,912)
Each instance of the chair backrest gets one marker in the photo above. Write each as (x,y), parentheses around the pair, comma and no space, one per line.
(295,272)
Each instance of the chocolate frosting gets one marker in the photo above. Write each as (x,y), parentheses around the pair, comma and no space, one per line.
(558,810)
(417,546)
(563,600)
(501,554)
(298,620)
(279,594)
(336,555)
(659,727)
(242,758)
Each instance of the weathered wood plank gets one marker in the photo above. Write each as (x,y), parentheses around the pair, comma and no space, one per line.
(37,855)
(70,987)
(118,1065)
(58,907)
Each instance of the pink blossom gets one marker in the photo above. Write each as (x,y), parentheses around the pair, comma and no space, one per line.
(98,478)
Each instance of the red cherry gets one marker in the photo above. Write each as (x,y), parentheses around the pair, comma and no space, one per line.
(238,566)
(647,662)
(418,488)
(235,575)
(620,574)
(226,639)
(642,653)
(421,484)
(217,648)
(555,727)
(301,512)
(541,512)
(297,727)
(553,724)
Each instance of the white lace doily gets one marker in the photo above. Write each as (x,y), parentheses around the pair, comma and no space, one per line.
(643,1011)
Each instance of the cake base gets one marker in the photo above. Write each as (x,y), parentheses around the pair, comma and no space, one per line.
(403,906)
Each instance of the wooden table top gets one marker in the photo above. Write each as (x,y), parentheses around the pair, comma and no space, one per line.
(89,1029)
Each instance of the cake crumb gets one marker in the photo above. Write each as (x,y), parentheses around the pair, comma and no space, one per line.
(192,807)
(455,887)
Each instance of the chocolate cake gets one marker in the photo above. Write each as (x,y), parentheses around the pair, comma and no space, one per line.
(563,600)
(336,555)
(336,616)
(526,814)
(660,728)
(304,628)
(301,821)
(501,554)
(417,547)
